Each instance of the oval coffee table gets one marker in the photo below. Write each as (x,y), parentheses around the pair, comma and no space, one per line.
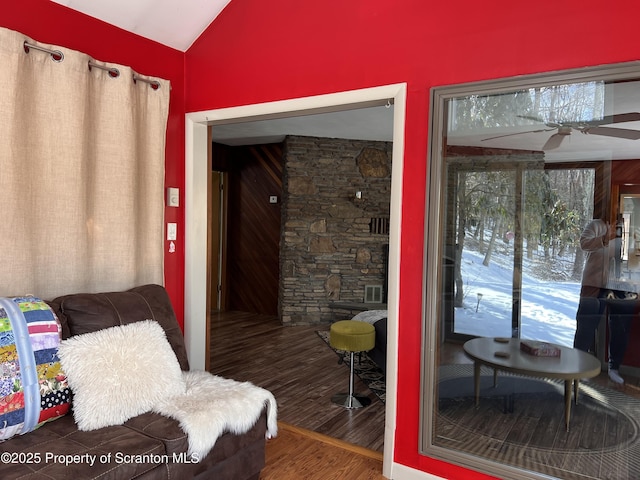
(505,354)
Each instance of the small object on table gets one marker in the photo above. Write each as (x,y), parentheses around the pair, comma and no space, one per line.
(539,349)
(502,354)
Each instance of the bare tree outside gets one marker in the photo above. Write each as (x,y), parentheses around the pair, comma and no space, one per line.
(557,202)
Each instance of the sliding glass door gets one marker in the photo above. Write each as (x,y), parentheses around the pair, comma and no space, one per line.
(481,274)
(511,248)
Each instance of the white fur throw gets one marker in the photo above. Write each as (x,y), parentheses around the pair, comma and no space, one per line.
(120,372)
(371,316)
(213,405)
(124,371)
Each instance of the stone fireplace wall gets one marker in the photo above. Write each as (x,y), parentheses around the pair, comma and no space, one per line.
(328,251)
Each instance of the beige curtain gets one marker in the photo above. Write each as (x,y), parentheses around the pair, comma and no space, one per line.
(81,173)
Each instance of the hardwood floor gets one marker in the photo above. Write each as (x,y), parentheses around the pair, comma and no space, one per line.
(303,374)
(301,454)
(300,370)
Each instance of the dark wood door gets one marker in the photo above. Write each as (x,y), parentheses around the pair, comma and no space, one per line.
(253,226)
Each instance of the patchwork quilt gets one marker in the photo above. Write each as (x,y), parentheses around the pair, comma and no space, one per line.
(33,387)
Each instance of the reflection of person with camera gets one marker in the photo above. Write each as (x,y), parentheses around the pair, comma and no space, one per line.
(601,243)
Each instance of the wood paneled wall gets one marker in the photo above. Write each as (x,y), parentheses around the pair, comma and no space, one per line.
(253,228)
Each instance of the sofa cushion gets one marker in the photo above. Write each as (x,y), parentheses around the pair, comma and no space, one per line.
(162,428)
(251,457)
(89,312)
(222,462)
(33,387)
(119,372)
(116,452)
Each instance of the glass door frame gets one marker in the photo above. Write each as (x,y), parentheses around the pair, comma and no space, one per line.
(433,333)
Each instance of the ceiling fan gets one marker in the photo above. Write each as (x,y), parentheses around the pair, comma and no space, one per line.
(592,127)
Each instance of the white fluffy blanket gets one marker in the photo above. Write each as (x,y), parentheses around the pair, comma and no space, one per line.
(371,316)
(213,405)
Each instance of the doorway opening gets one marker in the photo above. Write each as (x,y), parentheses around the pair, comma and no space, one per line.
(197,167)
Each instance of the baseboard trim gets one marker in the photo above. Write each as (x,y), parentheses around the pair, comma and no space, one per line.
(402,472)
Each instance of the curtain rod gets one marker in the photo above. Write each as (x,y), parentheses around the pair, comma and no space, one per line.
(58,56)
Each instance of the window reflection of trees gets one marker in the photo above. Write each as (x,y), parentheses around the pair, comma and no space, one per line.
(556,103)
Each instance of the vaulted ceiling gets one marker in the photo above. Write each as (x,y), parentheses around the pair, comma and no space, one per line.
(175,23)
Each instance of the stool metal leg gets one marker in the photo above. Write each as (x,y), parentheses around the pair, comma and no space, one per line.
(351,400)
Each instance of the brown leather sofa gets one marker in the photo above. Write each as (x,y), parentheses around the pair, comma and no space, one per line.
(150,446)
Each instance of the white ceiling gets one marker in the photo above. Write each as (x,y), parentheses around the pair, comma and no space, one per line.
(175,23)
(371,123)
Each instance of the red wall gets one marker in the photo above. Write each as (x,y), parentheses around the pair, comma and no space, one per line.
(48,22)
(258,51)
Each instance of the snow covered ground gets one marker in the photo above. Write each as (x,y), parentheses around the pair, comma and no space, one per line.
(548,308)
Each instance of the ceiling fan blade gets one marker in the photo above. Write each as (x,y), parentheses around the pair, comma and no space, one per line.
(606,120)
(517,133)
(618,118)
(554,141)
(529,117)
(613,132)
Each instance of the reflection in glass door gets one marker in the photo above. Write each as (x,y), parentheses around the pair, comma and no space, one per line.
(558,204)
(630,207)
(482,202)
(515,249)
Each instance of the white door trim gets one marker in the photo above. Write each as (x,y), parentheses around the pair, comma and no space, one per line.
(196,209)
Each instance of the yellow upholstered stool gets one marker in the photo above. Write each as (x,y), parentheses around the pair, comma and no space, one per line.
(352,336)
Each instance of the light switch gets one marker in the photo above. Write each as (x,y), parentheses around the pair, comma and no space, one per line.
(273,199)
(172,231)
(173,197)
